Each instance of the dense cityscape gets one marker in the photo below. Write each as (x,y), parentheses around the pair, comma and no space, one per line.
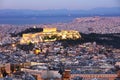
(59,39)
(36,52)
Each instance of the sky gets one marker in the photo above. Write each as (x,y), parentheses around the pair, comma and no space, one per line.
(57,4)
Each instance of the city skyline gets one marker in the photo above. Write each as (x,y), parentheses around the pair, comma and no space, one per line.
(57,4)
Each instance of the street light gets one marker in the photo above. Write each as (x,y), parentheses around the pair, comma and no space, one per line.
(13,45)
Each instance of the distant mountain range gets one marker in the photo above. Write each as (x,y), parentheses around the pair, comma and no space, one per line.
(61,12)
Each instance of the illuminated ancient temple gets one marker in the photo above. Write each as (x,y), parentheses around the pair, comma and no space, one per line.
(49,34)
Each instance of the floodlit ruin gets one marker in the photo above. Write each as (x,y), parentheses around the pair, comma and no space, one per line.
(49,34)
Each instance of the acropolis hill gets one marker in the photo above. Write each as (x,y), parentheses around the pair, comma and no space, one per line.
(49,34)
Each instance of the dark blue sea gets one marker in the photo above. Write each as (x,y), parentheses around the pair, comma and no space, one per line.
(37,20)
(21,20)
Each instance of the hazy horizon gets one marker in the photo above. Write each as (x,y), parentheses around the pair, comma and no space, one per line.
(58,4)
(54,11)
(64,9)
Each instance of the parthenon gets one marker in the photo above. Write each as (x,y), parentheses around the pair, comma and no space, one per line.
(49,34)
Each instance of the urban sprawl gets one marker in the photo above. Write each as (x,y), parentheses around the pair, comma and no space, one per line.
(45,52)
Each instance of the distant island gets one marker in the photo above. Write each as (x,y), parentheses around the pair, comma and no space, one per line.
(22,17)
(114,11)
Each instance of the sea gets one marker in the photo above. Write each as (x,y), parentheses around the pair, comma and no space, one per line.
(21,20)
(37,20)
